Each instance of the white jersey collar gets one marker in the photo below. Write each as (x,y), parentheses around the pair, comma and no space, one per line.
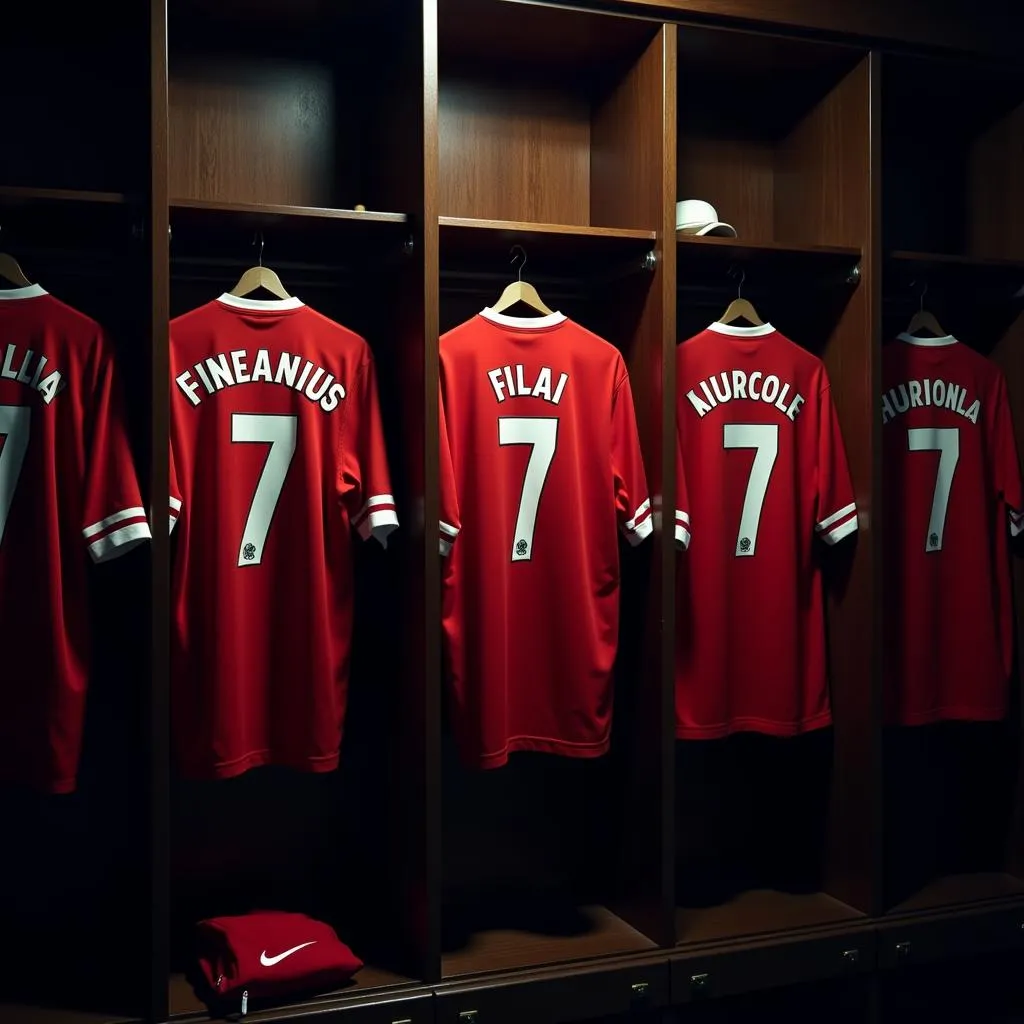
(741,332)
(522,322)
(910,339)
(269,305)
(31,291)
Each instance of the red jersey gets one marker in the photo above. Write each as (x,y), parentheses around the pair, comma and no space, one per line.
(762,451)
(952,492)
(67,486)
(277,453)
(540,471)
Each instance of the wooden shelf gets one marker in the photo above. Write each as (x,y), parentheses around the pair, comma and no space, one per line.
(269,214)
(207,229)
(714,254)
(601,934)
(741,249)
(961,890)
(557,250)
(760,911)
(17,194)
(185,1005)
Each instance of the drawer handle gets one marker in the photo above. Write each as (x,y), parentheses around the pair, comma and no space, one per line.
(407,1020)
(467,1016)
(699,981)
(903,950)
(851,956)
(639,989)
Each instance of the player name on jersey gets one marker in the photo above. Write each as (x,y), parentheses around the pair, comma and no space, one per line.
(29,372)
(915,394)
(511,381)
(757,386)
(226,370)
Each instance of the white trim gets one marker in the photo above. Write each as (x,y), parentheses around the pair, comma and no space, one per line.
(445,547)
(374,521)
(641,509)
(682,536)
(119,542)
(265,304)
(451,531)
(682,517)
(173,519)
(523,323)
(639,532)
(741,332)
(1016,523)
(31,291)
(910,339)
(841,531)
(836,516)
(127,513)
(175,503)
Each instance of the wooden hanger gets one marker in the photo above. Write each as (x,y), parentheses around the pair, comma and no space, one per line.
(11,271)
(740,307)
(923,321)
(520,291)
(259,277)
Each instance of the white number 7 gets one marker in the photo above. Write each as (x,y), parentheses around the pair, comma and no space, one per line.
(541,434)
(280,432)
(14,428)
(945,441)
(764,437)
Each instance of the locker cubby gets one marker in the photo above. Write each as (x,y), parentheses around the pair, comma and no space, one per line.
(537,114)
(951,158)
(951,226)
(303,106)
(768,129)
(775,835)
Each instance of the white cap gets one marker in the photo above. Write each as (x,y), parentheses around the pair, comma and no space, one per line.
(696,217)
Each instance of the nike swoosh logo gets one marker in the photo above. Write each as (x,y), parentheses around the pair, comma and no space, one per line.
(269,961)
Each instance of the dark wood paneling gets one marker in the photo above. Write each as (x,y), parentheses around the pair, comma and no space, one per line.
(995,200)
(959,25)
(510,151)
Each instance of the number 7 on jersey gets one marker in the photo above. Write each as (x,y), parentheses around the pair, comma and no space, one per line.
(280,432)
(541,434)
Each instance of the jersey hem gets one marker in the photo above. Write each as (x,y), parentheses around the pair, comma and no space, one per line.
(955,714)
(762,725)
(541,745)
(263,758)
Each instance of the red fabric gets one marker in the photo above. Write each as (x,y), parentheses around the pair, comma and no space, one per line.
(67,488)
(272,953)
(273,467)
(952,494)
(767,474)
(540,473)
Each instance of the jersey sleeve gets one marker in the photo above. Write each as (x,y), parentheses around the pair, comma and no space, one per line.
(114,519)
(836,515)
(682,500)
(449,505)
(632,501)
(1007,462)
(174,491)
(365,483)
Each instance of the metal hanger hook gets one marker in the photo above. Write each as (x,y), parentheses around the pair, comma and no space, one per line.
(924,292)
(259,236)
(735,271)
(521,250)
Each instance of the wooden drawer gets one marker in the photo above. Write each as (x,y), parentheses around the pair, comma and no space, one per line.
(961,933)
(723,972)
(412,1009)
(552,997)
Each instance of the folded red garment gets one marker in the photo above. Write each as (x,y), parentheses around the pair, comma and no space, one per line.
(272,953)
